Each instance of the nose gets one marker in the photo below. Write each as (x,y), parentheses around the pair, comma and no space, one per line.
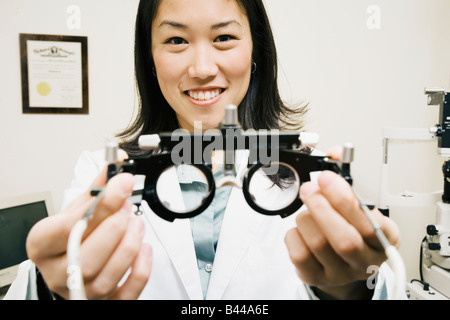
(203,65)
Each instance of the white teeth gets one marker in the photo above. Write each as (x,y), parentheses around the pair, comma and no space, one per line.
(204,95)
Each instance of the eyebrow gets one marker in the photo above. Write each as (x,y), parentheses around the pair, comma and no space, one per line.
(178,25)
(224,24)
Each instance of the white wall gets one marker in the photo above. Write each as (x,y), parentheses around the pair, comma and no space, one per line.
(358,81)
(38,152)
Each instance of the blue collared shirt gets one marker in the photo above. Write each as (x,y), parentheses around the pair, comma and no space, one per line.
(205,226)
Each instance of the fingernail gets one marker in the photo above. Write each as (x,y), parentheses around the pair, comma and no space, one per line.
(306,189)
(137,226)
(127,207)
(124,183)
(326,179)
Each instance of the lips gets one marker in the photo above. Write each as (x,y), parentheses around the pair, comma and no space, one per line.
(204,94)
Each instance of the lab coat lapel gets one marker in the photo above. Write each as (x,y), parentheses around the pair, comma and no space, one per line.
(239,227)
(176,237)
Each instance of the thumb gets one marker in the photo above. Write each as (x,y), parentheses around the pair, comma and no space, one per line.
(335,152)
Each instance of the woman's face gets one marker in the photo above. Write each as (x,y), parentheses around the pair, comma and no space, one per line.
(202,51)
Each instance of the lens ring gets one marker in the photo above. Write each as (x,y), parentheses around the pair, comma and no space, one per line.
(160,207)
(287,210)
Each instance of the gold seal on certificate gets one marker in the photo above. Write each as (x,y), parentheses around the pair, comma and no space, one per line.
(43,88)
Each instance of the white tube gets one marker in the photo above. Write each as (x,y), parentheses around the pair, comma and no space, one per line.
(75,282)
(397,265)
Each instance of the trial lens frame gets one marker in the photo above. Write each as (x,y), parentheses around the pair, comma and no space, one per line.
(288,148)
(229,138)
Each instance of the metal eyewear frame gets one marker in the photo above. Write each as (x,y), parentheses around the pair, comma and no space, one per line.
(165,147)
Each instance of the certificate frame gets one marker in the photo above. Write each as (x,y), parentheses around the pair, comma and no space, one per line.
(63,60)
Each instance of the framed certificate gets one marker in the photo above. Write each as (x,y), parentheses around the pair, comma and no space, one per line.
(54,74)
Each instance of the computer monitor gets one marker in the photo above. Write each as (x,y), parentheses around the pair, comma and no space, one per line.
(17,216)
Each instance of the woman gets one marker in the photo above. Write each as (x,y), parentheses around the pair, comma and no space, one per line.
(194,57)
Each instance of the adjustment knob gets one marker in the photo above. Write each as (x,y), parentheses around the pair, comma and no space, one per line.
(434,246)
(432,230)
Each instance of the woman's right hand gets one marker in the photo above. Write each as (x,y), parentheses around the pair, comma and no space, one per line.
(112,243)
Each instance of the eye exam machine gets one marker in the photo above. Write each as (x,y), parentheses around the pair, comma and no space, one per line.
(434,256)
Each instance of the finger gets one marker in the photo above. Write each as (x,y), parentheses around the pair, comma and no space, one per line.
(54,272)
(306,265)
(120,261)
(335,270)
(342,198)
(49,236)
(94,252)
(117,191)
(389,227)
(99,181)
(335,152)
(98,247)
(122,155)
(138,278)
(342,236)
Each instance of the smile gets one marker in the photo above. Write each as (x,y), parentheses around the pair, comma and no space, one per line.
(204,95)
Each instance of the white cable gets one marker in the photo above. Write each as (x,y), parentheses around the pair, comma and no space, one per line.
(394,259)
(75,281)
(397,265)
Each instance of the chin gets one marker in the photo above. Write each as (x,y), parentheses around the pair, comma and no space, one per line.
(207,122)
(207,125)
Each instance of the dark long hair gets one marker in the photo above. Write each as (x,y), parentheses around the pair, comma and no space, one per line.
(261,108)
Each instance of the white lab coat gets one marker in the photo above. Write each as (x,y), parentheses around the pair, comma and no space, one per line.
(251,261)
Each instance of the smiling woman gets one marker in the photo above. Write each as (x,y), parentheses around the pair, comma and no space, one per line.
(186,70)
(201,68)
(192,58)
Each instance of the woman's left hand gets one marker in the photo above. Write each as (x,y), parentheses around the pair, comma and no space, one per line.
(334,244)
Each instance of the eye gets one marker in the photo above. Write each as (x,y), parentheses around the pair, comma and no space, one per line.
(224,38)
(176,41)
